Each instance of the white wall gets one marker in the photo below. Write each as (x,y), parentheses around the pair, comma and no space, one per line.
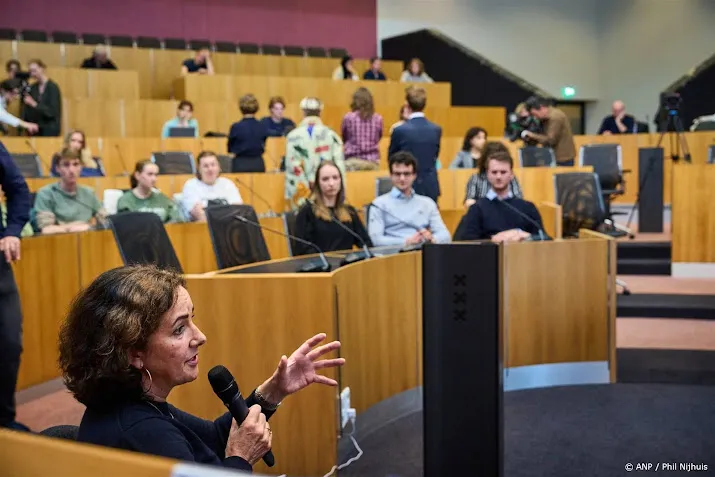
(550,43)
(606,49)
(646,45)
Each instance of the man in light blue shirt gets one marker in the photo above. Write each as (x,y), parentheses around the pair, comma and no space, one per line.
(402,217)
(182,119)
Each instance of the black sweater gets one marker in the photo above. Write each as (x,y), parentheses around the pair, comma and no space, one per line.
(329,236)
(48,113)
(489,217)
(247,138)
(141,427)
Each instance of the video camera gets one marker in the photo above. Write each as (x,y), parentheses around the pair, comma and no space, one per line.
(517,124)
(23,78)
(671,101)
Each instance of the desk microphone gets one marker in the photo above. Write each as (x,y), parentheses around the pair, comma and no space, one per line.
(121,159)
(324,266)
(271,212)
(34,151)
(226,389)
(541,235)
(350,258)
(406,248)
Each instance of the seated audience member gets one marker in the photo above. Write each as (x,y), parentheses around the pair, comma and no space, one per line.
(9,91)
(471,151)
(619,122)
(415,73)
(315,220)
(99,60)
(276,125)
(247,138)
(208,188)
(362,131)
(183,119)
(375,71)
(478,185)
(67,206)
(43,105)
(488,218)
(130,338)
(12,67)
(306,147)
(346,70)
(143,197)
(402,217)
(557,130)
(201,63)
(404,116)
(421,138)
(76,141)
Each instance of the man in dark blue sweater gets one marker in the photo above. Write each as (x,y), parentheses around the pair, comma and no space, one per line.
(18,213)
(495,216)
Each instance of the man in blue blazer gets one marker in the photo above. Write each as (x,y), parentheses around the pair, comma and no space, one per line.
(421,138)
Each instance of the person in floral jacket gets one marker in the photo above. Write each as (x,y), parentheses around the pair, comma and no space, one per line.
(306,147)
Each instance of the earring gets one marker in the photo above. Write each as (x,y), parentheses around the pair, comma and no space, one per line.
(146,391)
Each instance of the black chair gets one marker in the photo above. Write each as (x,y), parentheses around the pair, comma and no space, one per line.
(201,44)
(711,154)
(337,52)
(34,35)
(250,48)
(93,39)
(289,221)
(534,156)
(174,162)
(383,185)
(225,161)
(581,200)
(8,34)
(64,37)
(148,42)
(29,164)
(607,162)
(142,239)
(235,243)
(317,52)
(174,43)
(294,51)
(274,50)
(120,40)
(63,431)
(225,47)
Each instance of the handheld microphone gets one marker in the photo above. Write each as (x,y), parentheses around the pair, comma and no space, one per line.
(324,266)
(351,258)
(37,154)
(271,212)
(226,389)
(121,159)
(541,235)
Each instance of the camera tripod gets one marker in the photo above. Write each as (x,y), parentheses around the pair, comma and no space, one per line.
(677,142)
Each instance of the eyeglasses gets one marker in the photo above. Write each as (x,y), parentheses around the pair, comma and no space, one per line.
(403,174)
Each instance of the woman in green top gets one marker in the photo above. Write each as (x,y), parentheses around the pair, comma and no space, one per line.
(143,197)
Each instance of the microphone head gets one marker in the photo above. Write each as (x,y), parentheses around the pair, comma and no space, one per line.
(240,218)
(222,383)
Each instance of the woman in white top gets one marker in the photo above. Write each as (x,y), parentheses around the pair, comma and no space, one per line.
(415,73)
(208,187)
(346,70)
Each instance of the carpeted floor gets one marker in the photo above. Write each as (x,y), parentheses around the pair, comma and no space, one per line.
(589,431)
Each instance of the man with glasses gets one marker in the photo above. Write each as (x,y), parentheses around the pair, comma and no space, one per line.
(402,217)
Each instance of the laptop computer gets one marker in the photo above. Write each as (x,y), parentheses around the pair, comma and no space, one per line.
(182,132)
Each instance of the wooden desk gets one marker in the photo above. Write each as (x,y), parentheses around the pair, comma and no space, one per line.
(693,222)
(199,88)
(27,454)
(76,83)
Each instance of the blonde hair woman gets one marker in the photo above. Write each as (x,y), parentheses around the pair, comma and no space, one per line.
(76,141)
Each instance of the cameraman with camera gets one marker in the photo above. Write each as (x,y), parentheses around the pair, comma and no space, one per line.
(10,90)
(519,121)
(43,103)
(557,128)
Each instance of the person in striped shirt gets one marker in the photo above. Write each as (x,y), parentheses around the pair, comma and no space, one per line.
(478,185)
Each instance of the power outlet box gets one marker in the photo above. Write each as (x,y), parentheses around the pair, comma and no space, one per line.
(344,407)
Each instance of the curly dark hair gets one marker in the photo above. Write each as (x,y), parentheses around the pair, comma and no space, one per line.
(115,314)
